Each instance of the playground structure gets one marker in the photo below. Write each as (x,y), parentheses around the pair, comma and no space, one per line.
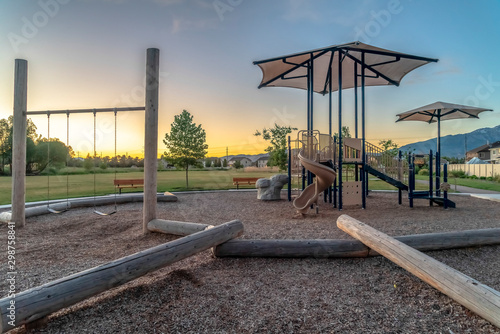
(21,112)
(334,68)
(313,152)
(325,177)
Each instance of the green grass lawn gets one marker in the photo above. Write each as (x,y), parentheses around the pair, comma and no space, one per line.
(473,183)
(82,185)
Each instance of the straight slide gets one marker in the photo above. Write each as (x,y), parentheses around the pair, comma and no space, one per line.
(324,179)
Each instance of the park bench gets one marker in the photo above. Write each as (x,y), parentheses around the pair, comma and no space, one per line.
(237,181)
(128,183)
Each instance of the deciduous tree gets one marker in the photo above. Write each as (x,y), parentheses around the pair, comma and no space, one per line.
(185,143)
(389,147)
(277,136)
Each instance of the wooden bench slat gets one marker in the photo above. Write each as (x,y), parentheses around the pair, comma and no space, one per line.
(128,183)
(244,180)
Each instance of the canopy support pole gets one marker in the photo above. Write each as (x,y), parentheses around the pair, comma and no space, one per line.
(330,103)
(308,99)
(355,100)
(341,142)
(438,155)
(364,183)
(356,172)
(310,109)
(311,91)
(333,187)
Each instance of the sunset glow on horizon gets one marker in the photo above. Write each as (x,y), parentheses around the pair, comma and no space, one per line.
(91,54)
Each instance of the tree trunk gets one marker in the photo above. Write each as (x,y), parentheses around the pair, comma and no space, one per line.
(187,167)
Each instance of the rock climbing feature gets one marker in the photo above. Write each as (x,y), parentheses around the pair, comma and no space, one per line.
(270,189)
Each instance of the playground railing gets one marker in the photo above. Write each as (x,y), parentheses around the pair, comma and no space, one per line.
(352,149)
(392,165)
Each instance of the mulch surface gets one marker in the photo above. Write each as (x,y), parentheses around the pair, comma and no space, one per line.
(204,294)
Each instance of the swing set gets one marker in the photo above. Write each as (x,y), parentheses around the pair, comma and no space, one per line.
(150,108)
(94,112)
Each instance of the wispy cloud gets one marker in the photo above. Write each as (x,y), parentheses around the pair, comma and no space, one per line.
(168,2)
(327,12)
(445,70)
(298,10)
(182,24)
(448,69)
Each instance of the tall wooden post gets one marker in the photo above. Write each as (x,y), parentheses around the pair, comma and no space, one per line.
(151,137)
(19,142)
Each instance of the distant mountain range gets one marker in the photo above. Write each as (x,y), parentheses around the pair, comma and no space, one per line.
(454,145)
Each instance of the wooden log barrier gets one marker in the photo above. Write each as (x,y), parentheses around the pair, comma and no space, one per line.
(176,227)
(38,302)
(36,211)
(333,248)
(74,203)
(465,290)
(317,248)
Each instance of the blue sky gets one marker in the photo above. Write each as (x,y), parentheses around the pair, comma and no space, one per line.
(91,53)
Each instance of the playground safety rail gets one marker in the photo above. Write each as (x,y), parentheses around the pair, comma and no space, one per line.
(388,163)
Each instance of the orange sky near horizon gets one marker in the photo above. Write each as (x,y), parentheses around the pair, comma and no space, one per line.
(91,54)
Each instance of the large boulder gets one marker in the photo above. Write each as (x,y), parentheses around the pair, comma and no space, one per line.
(270,189)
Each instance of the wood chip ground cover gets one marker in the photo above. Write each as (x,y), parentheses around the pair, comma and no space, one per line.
(203,294)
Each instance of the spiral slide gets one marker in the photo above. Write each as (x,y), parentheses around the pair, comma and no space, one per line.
(324,178)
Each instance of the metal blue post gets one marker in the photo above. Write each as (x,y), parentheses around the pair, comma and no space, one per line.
(411,178)
(341,144)
(289,170)
(330,189)
(335,188)
(445,193)
(364,185)
(311,91)
(438,173)
(400,192)
(431,163)
(438,154)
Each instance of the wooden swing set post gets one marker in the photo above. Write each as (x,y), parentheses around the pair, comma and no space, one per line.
(19,143)
(151,137)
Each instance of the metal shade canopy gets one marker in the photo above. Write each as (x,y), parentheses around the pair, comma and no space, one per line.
(382,67)
(440,111)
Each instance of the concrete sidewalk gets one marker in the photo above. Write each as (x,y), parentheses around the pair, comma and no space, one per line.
(464,189)
(478,193)
(491,197)
(469,190)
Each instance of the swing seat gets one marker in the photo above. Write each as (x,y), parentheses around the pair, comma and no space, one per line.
(100,213)
(56,211)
